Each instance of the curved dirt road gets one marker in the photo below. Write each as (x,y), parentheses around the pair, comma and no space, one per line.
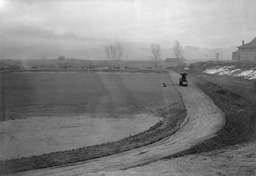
(203,120)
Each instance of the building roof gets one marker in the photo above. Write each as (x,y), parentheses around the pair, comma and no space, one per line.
(172,60)
(251,44)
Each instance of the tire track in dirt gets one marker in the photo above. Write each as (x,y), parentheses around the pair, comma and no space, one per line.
(203,120)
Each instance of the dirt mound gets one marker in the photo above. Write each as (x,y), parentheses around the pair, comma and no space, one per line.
(244,70)
(240,119)
(225,92)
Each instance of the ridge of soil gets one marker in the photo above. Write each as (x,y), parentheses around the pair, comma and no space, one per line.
(173,116)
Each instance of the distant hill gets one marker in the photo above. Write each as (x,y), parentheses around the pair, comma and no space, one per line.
(191,53)
(132,51)
(195,53)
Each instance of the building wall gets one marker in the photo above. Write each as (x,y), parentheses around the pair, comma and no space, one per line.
(171,64)
(235,56)
(247,54)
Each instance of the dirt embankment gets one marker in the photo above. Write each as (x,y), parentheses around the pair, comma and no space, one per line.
(235,97)
(240,118)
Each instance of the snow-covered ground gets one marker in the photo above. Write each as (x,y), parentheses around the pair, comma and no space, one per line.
(232,70)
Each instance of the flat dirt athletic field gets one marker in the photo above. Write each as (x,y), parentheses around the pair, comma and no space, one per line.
(127,88)
(180,121)
(200,123)
(50,112)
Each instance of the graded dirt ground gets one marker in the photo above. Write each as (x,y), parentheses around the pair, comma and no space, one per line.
(232,151)
(129,93)
(40,135)
(33,94)
(202,121)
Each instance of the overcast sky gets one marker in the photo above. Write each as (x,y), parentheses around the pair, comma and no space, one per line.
(202,23)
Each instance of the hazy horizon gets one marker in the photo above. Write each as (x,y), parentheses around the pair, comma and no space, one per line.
(45,28)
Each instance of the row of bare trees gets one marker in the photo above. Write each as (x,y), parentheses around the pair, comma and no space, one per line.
(178,51)
(156,51)
(115,51)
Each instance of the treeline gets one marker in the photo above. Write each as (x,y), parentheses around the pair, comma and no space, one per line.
(114,52)
(45,64)
(72,64)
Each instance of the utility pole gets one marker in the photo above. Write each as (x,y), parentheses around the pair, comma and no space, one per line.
(88,66)
(88,63)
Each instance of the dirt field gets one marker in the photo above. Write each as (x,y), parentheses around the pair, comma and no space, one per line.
(231,151)
(121,97)
(202,121)
(40,135)
(32,94)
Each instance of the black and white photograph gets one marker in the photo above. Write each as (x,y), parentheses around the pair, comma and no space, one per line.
(128,87)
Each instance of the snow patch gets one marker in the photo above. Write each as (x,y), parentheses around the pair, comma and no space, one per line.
(249,73)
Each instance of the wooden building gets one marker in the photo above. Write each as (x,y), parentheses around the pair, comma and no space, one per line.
(245,52)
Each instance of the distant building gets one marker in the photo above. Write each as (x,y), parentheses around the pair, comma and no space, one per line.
(61,58)
(245,52)
(172,62)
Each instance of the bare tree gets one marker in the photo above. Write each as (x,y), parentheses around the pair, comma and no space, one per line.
(110,52)
(119,54)
(119,51)
(107,52)
(177,48)
(114,52)
(156,52)
(217,54)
